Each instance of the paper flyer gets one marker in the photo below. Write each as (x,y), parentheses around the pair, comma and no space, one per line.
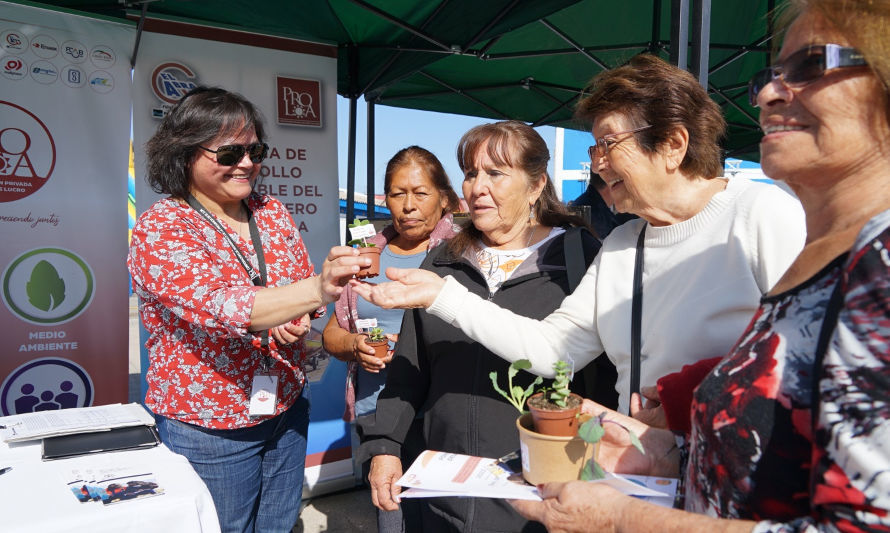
(111,485)
(440,474)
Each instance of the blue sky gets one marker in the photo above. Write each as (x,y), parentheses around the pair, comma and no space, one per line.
(397,128)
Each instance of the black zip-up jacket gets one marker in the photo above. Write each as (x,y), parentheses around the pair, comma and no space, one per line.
(440,371)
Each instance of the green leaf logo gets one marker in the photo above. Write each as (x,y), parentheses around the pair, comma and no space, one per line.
(45,289)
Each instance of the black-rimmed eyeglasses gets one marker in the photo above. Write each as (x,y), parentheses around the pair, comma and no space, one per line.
(805,66)
(230,154)
(606,142)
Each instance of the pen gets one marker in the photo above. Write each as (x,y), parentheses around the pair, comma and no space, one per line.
(5,470)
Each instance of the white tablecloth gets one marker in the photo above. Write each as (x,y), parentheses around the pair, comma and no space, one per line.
(34,496)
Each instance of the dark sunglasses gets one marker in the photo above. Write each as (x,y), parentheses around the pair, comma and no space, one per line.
(805,66)
(230,154)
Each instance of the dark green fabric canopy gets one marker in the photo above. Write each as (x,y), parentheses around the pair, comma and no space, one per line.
(519,59)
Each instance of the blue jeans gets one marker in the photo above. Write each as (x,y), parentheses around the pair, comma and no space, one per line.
(254,474)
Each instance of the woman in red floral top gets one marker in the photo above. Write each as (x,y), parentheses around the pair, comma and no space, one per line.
(226,291)
(790,432)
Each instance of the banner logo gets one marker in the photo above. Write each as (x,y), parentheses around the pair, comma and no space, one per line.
(14,68)
(72,76)
(44,46)
(101,81)
(13,42)
(27,152)
(102,56)
(48,286)
(298,101)
(74,52)
(44,72)
(46,384)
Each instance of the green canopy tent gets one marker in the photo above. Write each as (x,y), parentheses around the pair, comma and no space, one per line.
(521,59)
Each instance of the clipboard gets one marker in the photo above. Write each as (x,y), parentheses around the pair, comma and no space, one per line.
(113,440)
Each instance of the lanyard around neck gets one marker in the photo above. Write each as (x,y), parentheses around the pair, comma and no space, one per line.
(258,278)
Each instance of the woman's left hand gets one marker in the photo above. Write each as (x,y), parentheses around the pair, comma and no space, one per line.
(292,331)
(576,506)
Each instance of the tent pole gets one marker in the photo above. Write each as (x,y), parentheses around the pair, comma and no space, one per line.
(701,35)
(350,168)
(656,27)
(680,33)
(139,28)
(370,159)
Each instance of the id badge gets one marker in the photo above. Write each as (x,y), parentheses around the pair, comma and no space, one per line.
(263,394)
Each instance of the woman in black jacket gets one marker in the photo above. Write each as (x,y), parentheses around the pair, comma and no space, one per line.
(513,252)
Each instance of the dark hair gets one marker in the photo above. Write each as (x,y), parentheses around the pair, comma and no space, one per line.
(202,115)
(514,144)
(648,90)
(866,25)
(432,169)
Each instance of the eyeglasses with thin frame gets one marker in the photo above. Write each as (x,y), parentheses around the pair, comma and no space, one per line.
(606,142)
(231,154)
(805,66)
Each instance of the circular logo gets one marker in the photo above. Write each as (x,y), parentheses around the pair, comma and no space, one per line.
(48,286)
(44,46)
(27,152)
(44,72)
(101,81)
(13,42)
(73,76)
(13,68)
(74,52)
(170,81)
(102,56)
(46,384)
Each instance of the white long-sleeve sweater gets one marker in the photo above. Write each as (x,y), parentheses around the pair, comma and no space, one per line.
(702,280)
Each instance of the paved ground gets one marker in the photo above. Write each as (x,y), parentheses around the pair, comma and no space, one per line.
(345,511)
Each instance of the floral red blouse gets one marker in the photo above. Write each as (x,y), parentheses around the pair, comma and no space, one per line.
(195,301)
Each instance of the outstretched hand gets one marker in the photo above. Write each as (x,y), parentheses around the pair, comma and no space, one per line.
(409,288)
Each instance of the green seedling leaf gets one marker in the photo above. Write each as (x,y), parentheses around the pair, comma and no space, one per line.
(45,289)
(587,472)
(597,470)
(494,383)
(522,364)
(591,431)
(636,441)
(517,392)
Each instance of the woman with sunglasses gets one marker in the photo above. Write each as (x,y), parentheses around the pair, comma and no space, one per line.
(706,248)
(226,291)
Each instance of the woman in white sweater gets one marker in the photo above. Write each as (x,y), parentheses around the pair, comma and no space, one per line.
(711,247)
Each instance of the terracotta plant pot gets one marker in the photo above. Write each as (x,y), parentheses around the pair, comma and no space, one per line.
(547,458)
(380,348)
(373,253)
(561,422)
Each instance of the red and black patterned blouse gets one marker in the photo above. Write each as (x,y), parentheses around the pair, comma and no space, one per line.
(753,454)
(195,302)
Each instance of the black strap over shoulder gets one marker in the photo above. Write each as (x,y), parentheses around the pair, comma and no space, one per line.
(573,248)
(636,315)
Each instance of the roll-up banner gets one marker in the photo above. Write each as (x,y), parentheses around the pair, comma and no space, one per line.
(294,84)
(64,132)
